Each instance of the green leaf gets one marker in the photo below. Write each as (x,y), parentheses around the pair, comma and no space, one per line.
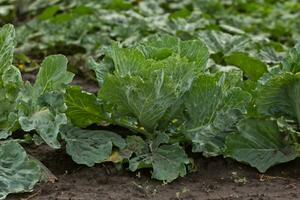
(118,5)
(280,97)
(17,172)
(46,125)
(252,67)
(147,100)
(7,43)
(100,69)
(10,76)
(10,82)
(84,108)
(269,55)
(53,74)
(41,106)
(260,144)
(8,118)
(213,110)
(49,12)
(178,70)
(160,47)
(126,61)
(135,144)
(219,42)
(43,113)
(291,62)
(90,146)
(168,162)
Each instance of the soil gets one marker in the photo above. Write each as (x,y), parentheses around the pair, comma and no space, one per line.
(215,179)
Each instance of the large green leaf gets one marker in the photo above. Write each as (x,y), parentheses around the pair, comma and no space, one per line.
(260,144)
(53,74)
(7,43)
(147,100)
(10,82)
(41,106)
(219,42)
(45,123)
(180,71)
(90,146)
(84,108)
(126,61)
(160,47)
(168,162)
(17,172)
(291,63)
(280,96)
(213,110)
(252,67)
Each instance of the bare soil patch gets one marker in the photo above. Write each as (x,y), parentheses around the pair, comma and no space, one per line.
(215,179)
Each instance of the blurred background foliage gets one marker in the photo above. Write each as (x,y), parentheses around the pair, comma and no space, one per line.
(82,29)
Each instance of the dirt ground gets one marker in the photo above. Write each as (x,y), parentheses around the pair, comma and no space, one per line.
(215,179)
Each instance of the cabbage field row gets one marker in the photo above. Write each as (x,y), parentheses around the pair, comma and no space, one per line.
(219,78)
